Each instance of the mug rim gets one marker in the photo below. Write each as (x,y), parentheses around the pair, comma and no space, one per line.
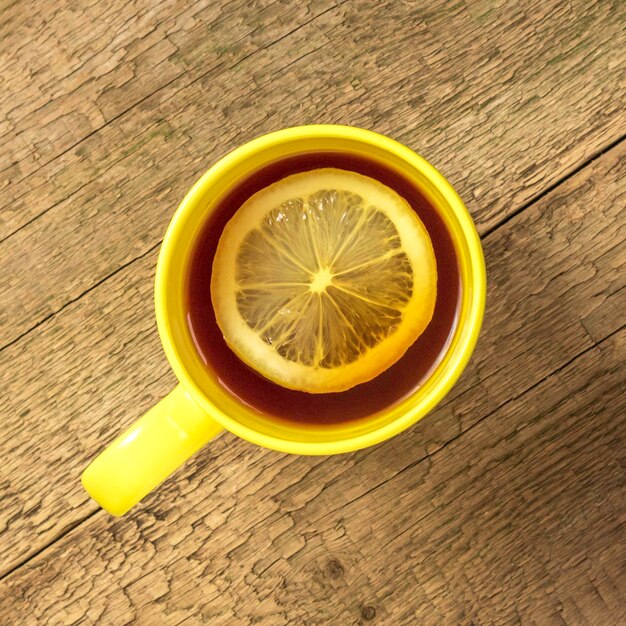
(467,335)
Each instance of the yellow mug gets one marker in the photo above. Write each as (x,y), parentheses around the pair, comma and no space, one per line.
(199,408)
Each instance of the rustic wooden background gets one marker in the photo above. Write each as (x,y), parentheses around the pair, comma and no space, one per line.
(506,505)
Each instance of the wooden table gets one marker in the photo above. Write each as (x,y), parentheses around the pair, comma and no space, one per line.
(506,504)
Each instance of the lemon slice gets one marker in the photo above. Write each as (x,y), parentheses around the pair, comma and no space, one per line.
(322,280)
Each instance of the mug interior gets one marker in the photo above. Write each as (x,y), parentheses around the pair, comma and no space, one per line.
(178,246)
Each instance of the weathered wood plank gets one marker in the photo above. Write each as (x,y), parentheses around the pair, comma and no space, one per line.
(73,68)
(504,99)
(518,521)
(89,371)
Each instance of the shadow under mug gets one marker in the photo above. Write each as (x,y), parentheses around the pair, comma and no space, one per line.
(199,408)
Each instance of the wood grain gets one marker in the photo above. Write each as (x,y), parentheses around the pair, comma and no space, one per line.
(517,521)
(503,506)
(76,67)
(122,116)
(89,371)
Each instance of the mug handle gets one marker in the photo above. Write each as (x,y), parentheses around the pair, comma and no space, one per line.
(148,452)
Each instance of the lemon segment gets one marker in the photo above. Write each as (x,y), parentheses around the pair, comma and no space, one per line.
(323,280)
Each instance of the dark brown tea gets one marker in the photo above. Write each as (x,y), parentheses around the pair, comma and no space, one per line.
(389,387)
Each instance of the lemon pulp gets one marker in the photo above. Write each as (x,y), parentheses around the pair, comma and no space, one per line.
(322,280)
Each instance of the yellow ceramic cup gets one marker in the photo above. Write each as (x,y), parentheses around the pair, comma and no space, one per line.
(199,408)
